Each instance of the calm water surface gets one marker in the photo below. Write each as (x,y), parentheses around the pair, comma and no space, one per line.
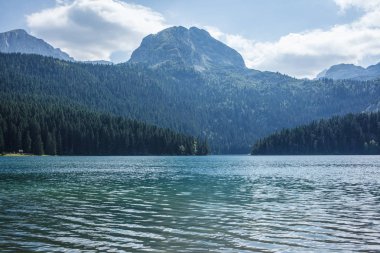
(190,204)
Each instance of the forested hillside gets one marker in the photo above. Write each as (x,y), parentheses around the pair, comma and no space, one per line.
(231,108)
(351,134)
(49,127)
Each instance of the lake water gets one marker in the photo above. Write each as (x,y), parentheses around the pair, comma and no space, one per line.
(190,204)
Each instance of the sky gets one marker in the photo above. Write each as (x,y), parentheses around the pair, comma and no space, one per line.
(295,37)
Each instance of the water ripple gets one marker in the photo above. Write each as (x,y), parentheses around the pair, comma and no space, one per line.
(190,204)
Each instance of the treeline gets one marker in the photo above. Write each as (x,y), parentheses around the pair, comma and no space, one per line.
(351,134)
(57,129)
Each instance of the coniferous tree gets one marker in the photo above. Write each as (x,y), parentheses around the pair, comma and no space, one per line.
(51,146)
(2,144)
(27,142)
(37,145)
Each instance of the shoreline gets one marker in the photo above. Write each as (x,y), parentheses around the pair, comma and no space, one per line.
(18,155)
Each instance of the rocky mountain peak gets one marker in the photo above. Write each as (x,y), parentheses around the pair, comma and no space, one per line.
(191,47)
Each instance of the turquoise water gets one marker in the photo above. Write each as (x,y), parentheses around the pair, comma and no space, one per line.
(190,204)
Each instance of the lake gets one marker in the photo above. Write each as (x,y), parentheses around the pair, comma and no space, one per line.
(190,204)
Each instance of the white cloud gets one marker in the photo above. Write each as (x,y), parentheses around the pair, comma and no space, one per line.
(366,5)
(306,54)
(95,29)
(112,29)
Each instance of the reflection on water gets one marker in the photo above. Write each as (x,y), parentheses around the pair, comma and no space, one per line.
(190,204)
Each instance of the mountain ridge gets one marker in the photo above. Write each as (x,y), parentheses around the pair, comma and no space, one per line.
(351,71)
(19,41)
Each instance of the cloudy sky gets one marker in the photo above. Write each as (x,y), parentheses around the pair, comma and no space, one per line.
(295,37)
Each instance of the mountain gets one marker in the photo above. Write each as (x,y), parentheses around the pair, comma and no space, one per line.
(19,41)
(350,134)
(101,62)
(166,83)
(186,48)
(230,109)
(373,71)
(350,71)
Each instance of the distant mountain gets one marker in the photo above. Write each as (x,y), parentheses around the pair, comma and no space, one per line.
(101,62)
(184,47)
(19,41)
(350,71)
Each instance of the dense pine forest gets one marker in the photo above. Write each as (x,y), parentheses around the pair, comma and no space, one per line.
(55,128)
(231,108)
(351,134)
